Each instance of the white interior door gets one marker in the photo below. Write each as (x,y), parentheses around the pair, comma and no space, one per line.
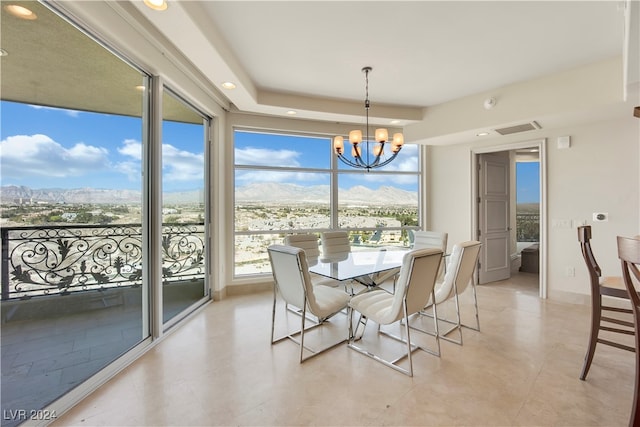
(493,216)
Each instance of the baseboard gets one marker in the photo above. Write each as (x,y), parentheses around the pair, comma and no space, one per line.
(248,288)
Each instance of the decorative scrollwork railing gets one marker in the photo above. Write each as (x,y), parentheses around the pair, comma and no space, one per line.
(63,259)
(528,227)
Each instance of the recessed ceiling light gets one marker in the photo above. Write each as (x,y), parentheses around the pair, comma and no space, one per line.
(156,4)
(291,113)
(395,122)
(3,52)
(228,85)
(20,12)
(482,134)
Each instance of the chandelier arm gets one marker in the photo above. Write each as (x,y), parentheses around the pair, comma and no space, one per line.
(350,163)
(386,162)
(377,160)
(363,165)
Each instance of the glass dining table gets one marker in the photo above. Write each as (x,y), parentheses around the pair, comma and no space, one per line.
(361,266)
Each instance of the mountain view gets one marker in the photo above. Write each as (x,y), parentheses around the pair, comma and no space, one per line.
(252,193)
(270,192)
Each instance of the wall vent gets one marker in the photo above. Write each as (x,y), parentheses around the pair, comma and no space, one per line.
(518,128)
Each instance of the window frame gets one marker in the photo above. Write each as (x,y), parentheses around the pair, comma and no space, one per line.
(334,171)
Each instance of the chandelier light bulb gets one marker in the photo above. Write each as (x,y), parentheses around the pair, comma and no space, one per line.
(382,135)
(355,136)
(338,144)
(398,142)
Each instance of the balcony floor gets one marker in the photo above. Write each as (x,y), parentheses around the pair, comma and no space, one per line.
(521,369)
(43,358)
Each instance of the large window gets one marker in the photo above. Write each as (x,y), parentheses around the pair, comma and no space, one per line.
(286,184)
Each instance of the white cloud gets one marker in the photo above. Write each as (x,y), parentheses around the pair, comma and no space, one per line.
(131,148)
(70,113)
(407,160)
(267,157)
(177,165)
(131,169)
(39,155)
(181,165)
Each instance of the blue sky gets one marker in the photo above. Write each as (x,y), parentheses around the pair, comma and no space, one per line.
(528,182)
(44,147)
(57,148)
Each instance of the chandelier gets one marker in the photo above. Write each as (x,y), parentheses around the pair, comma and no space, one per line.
(373,150)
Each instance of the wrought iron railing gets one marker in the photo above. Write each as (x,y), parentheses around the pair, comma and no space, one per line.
(64,259)
(528,227)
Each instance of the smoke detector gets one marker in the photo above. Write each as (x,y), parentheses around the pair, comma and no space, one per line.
(489,103)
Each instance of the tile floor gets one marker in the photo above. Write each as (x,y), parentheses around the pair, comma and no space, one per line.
(521,369)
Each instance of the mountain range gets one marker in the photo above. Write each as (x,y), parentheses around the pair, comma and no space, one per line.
(270,192)
(262,193)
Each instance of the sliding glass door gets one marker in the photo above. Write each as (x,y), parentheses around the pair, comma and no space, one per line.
(73,294)
(81,246)
(184,213)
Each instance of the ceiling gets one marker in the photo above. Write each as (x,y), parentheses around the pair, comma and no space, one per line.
(423,52)
(307,56)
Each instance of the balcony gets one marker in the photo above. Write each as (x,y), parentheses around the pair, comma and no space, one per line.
(72,302)
(528,227)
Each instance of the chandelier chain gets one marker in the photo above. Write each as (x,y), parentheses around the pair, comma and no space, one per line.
(367,104)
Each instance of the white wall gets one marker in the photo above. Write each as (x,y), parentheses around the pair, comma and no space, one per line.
(449,183)
(598,173)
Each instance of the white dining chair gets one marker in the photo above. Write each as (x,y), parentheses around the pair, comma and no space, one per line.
(415,285)
(432,239)
(335,243)
(420,240)
(306,241)
(461,266)
(309,242)
(293,284)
